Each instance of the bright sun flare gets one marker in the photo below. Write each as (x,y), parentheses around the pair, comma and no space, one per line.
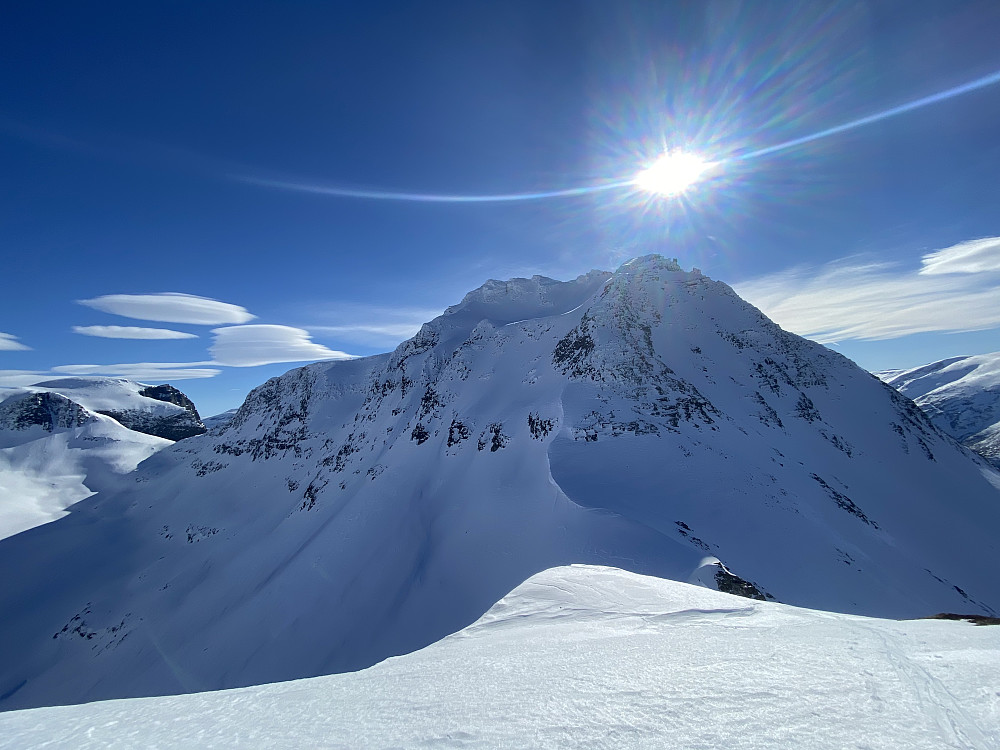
(672,173)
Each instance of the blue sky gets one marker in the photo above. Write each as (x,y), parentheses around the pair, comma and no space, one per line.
(142,147)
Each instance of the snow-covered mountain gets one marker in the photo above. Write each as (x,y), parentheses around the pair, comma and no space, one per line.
(159,410)
(64,440)
(962,397)
(648,419)
(598,658)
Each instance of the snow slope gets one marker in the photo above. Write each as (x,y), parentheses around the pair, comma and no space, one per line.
(54,453)
(355,510)
(962,397)
(599,658)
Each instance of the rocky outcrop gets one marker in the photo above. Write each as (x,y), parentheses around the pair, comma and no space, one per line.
(170,426)
(50,411)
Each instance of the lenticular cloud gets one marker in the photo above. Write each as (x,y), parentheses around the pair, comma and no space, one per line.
(131,332)
(248,346)
(171,307)
(9,342)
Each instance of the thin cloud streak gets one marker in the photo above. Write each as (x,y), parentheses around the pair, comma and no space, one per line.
(9,343)
(131,332)
(371,325)
(144,371)
(171,307)
(852,299)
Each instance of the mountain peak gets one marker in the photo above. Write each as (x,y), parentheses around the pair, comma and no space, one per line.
(649,419)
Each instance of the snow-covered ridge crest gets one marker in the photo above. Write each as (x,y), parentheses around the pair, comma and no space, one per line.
(647,419)
(589,656)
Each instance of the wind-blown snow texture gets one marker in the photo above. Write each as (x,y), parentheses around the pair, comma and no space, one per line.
(592,657)
(55,452)
(355,510)
(961,395)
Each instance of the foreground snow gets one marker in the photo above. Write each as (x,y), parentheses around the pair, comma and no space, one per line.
(588,656)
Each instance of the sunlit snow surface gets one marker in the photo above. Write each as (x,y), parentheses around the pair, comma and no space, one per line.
(596,657)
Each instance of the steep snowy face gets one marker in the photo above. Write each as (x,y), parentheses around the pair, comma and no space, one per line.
(349,511)
(962,397)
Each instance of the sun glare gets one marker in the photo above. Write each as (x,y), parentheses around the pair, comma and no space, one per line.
(672,173)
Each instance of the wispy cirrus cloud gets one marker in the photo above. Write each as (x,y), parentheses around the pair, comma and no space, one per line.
(171,307)
(144,371)
(131,332)
(955,289)
(9,343)
(972,256)
(252,345)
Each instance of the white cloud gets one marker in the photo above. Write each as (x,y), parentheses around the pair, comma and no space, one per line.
(372,334)
(16,378)
(170,307)
(852,299)
(9,343)
(248,346)
(372,325)
(131,332)
(144,371)
(972,256)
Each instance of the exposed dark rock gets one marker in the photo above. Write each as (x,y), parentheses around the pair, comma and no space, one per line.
(539,427)
(457,432)
(46,410)
(729,583)
(176,426)
(974,619)
(171,395)
(844,502)
(420,434)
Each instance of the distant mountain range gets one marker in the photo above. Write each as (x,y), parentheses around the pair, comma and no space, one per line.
(63,440)
(961,395)
(349,511)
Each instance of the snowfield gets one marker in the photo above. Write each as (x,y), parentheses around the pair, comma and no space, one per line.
(594,657)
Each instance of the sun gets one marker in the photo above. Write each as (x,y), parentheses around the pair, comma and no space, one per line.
(672,174)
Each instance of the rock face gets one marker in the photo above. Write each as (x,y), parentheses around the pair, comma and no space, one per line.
(176,426)
(648,419)
(50,411)
(159,410)
(961,395)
